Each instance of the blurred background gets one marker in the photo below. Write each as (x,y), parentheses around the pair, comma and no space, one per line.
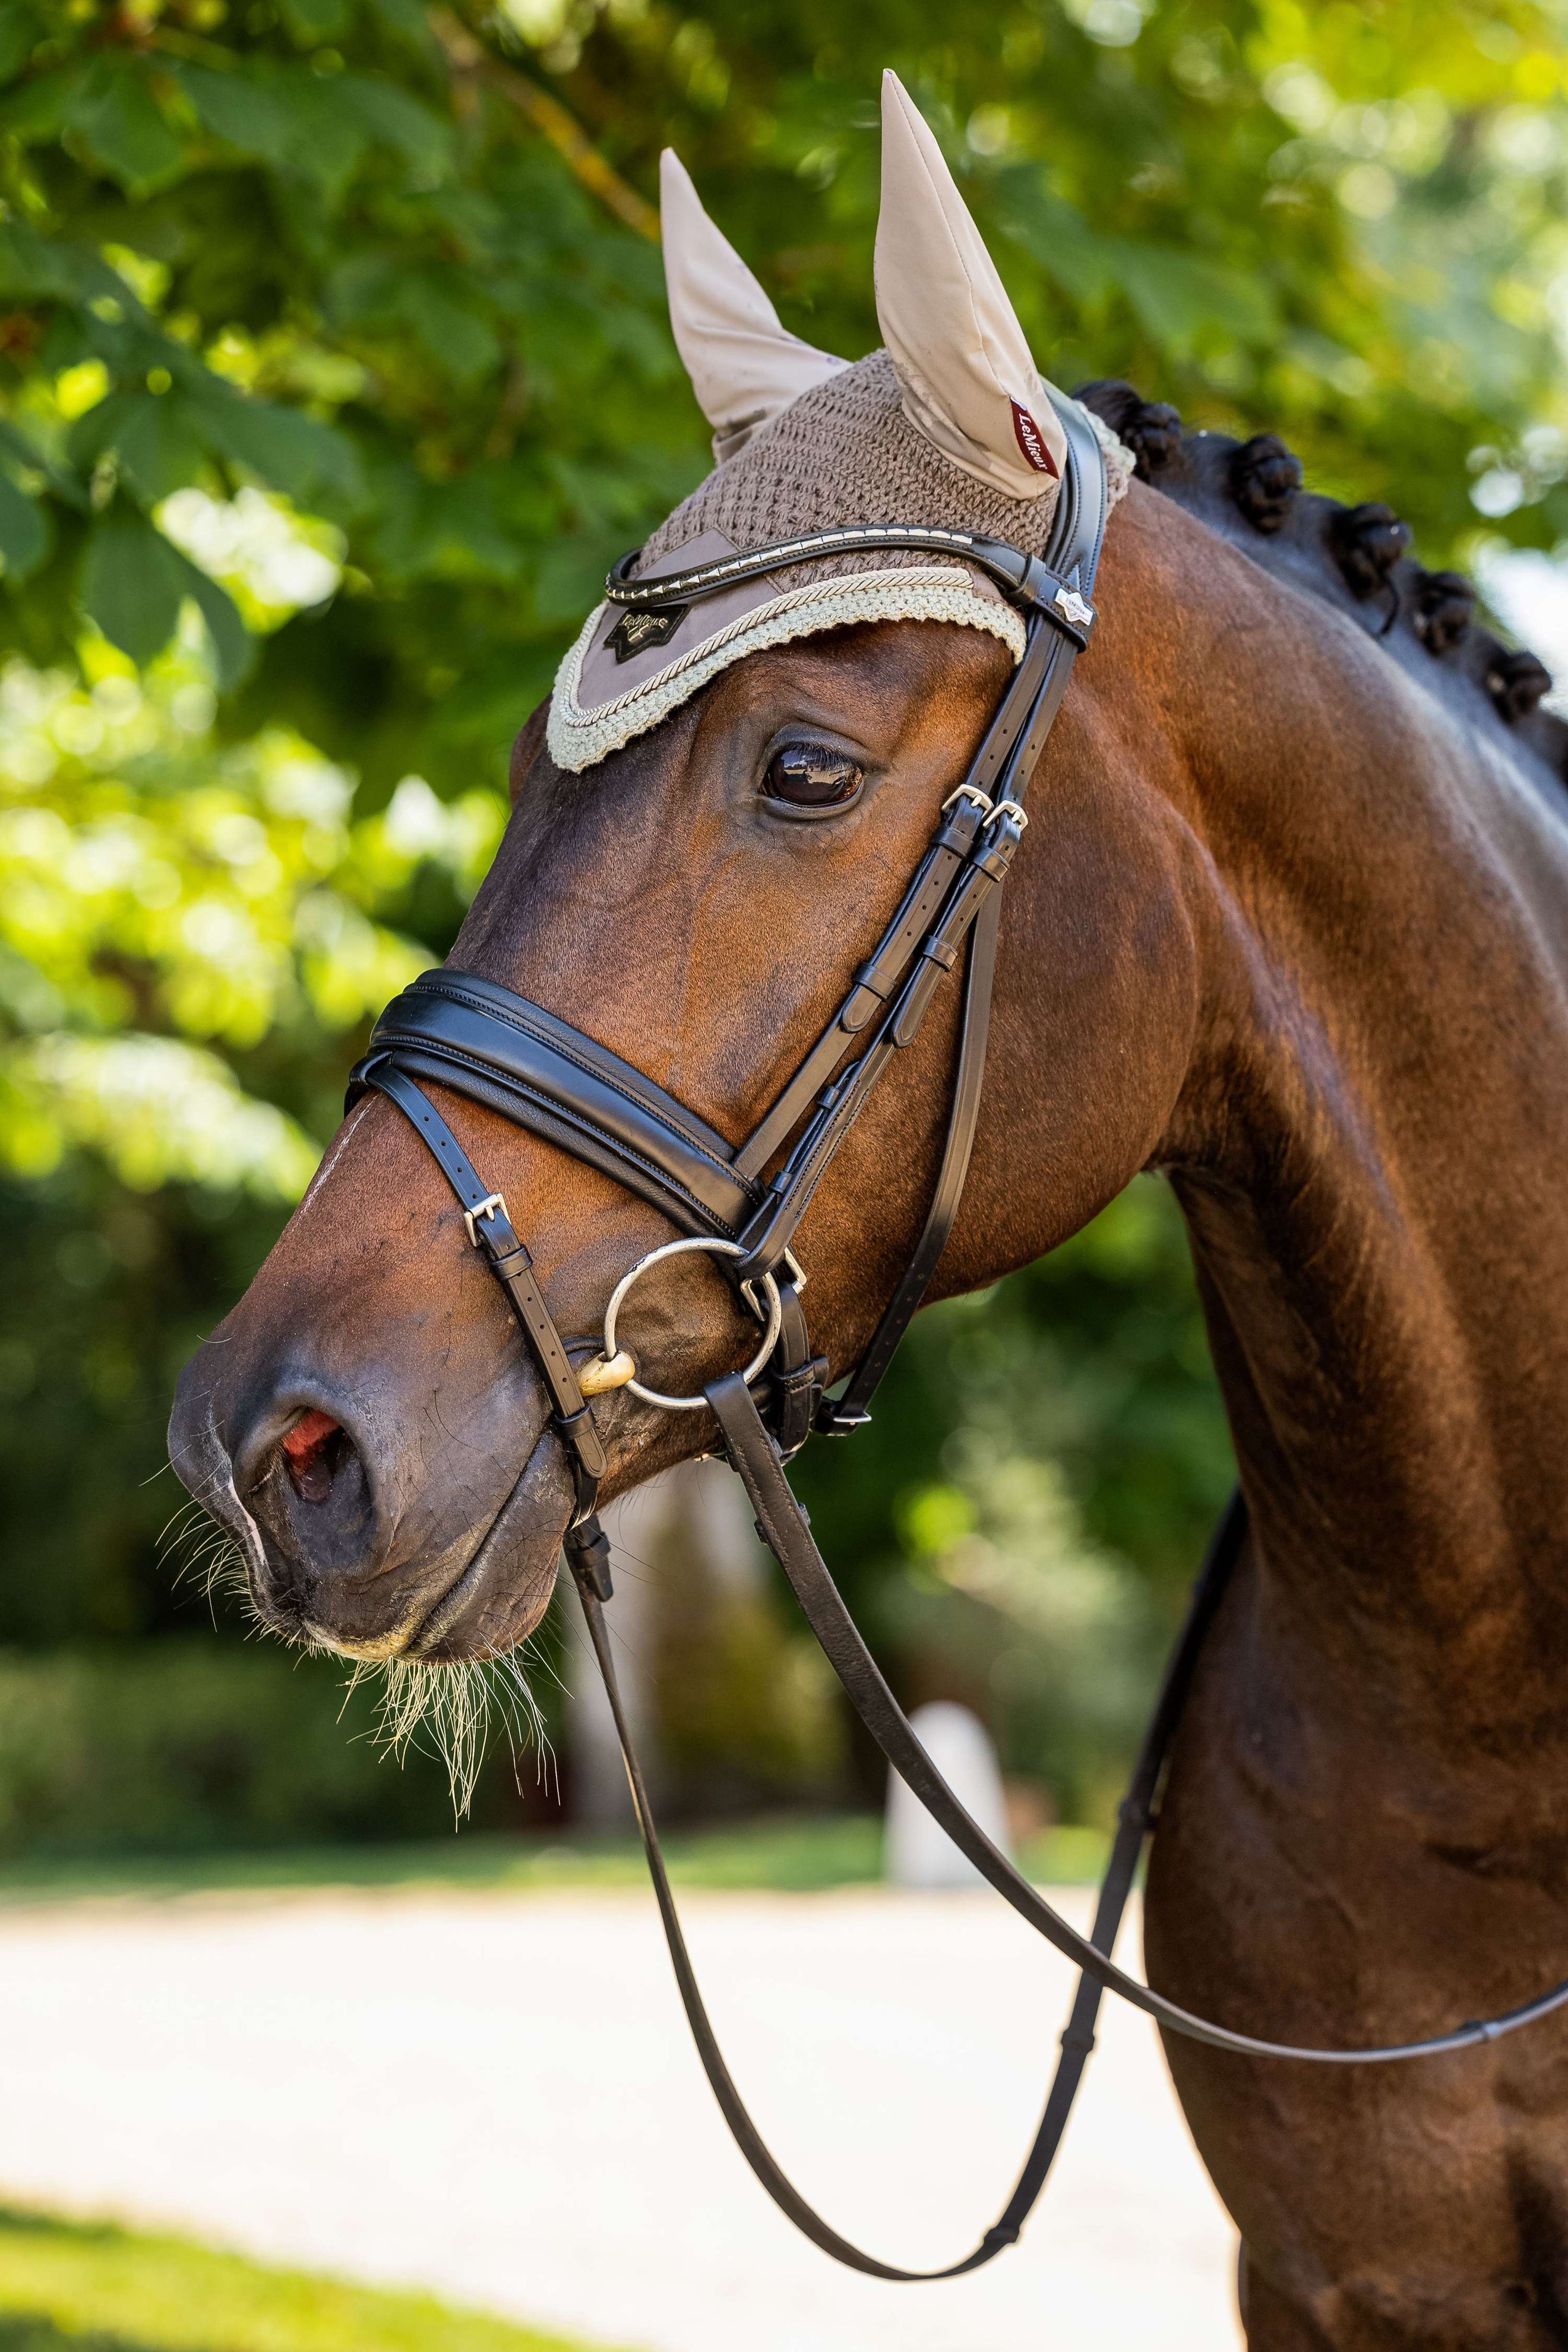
(334,370)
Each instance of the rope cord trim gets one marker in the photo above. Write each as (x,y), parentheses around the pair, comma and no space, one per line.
(579,736)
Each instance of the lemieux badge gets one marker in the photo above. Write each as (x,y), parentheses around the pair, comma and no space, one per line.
(634,632)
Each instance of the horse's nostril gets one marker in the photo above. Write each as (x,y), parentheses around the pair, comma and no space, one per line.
(313,1449)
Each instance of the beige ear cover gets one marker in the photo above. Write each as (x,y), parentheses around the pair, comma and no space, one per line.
(964,368)
(744,366)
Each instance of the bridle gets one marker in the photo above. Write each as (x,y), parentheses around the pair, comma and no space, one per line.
(513,1057)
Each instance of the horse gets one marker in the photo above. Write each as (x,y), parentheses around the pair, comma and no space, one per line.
(1289,925)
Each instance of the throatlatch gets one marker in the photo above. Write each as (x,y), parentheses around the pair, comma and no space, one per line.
(537,1071)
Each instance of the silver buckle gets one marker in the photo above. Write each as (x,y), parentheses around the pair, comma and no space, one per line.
(752,1295)
(1010,808)
(486,1209)
(969,792)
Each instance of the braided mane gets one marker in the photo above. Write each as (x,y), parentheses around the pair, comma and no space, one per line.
(1355,557)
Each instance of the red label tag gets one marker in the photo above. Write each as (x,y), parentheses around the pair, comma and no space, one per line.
(1032,441)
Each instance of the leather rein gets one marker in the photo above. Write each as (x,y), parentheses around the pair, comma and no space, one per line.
(512,1057)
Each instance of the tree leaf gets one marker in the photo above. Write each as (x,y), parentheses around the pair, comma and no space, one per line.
(1175,295)
(20,32)
(311,22)
(123,126)
(233,647)
(303,124)
(456,338)
(569,574)
(396,119)
(1055,234)
(134,583)
(27,534)
(131,583)
(364,291)
(244,110)
(297,453)
(1178,295)
(95,430)
(40,109)
(156,437)
(407,21)
(27,464)
(329,135)
(32,266)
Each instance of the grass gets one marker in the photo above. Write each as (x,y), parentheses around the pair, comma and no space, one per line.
(798,1853)
(85,2287)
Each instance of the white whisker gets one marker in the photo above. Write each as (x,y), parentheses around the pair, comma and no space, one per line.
(447,1710)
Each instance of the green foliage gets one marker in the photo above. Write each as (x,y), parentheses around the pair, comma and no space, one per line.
(90,2286)
(300,253)
(781,1854)
(323,248)
(745,1703)
(1023,1518)
(333,368)
(190,944)
(188,1744)
(154,892)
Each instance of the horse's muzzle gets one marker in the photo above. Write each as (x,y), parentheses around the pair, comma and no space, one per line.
(359,1542)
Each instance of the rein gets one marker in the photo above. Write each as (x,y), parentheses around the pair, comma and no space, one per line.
(454,1029)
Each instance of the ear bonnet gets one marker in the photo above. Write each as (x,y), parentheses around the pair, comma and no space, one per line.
(950,425)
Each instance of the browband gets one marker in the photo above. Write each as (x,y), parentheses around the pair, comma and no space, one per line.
(1024,580)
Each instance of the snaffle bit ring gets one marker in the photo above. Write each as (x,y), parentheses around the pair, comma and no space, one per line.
(766,1284)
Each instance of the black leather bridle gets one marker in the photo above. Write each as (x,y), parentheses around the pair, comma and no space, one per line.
(513,1057)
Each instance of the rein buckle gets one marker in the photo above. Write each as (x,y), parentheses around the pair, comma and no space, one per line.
(486,1209)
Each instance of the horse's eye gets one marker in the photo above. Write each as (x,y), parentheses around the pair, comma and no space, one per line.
(812,776)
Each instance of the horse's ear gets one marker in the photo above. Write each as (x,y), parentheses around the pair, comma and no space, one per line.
(964,368)
(744,366)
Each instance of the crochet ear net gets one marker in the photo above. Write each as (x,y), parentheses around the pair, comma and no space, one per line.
(965,377)
(744,366)
(964,369)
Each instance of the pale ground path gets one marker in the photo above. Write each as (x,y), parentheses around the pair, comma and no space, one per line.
(496,2097)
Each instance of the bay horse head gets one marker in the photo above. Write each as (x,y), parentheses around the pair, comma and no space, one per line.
(712,823)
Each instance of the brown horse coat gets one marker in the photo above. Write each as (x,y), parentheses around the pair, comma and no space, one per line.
(1290,922)
(1286,927)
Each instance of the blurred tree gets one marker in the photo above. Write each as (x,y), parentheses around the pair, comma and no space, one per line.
(333,368)
(186,932)
(358,253)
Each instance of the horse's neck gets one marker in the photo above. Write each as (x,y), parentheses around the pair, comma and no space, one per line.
(1371,1149)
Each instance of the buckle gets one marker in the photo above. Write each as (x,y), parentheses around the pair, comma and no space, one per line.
(753,1296)
(486,1209)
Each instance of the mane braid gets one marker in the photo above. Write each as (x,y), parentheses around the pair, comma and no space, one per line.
(1355,557)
